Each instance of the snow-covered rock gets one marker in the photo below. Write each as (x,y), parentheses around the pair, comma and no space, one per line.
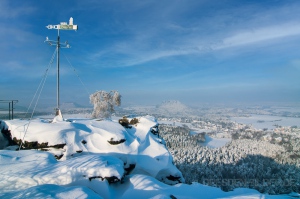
(136,147)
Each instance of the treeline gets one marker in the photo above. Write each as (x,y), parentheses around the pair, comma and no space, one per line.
(261,165)
(180,136)
(289,141)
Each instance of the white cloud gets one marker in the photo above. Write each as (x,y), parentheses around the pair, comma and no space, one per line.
(9,11)
(261,35)
(136,53)
(173,32)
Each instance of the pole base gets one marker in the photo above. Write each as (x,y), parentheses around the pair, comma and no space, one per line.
(58,116)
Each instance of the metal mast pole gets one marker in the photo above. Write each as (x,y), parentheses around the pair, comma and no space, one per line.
(9,110)
(57,86)
(12,109)
(61,26)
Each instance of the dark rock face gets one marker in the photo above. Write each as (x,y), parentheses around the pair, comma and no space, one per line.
(112,179)
(58,146)
(7,135)
(129,169)
(174,178)
(154,130)
(124,122)
(112,142)
(134,121)
(36,145)
(172,197)
(58,157)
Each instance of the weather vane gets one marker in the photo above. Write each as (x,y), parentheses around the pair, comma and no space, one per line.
(61,26)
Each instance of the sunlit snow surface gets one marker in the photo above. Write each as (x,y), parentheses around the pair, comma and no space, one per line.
(215,142)
(37,174)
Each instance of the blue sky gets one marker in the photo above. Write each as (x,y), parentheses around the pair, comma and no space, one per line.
(195,51)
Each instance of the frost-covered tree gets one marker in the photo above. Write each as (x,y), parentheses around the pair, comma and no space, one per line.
(104,103)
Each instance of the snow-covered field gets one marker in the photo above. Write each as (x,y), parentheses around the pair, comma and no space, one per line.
(93,167)
(212,142)
(267,121)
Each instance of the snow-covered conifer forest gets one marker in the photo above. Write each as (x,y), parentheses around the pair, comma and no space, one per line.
(265,161)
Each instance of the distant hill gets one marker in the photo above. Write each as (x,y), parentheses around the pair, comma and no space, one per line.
(169,108)
(71,105)
(172,105)
(173,108)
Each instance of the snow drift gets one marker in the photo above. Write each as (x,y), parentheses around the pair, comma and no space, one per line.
(136,146)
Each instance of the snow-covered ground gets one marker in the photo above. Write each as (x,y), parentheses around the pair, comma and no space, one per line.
(295,108)
(212,142)
(198,130)
(90,162)
(173,123)
(35,174)
(267,121)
